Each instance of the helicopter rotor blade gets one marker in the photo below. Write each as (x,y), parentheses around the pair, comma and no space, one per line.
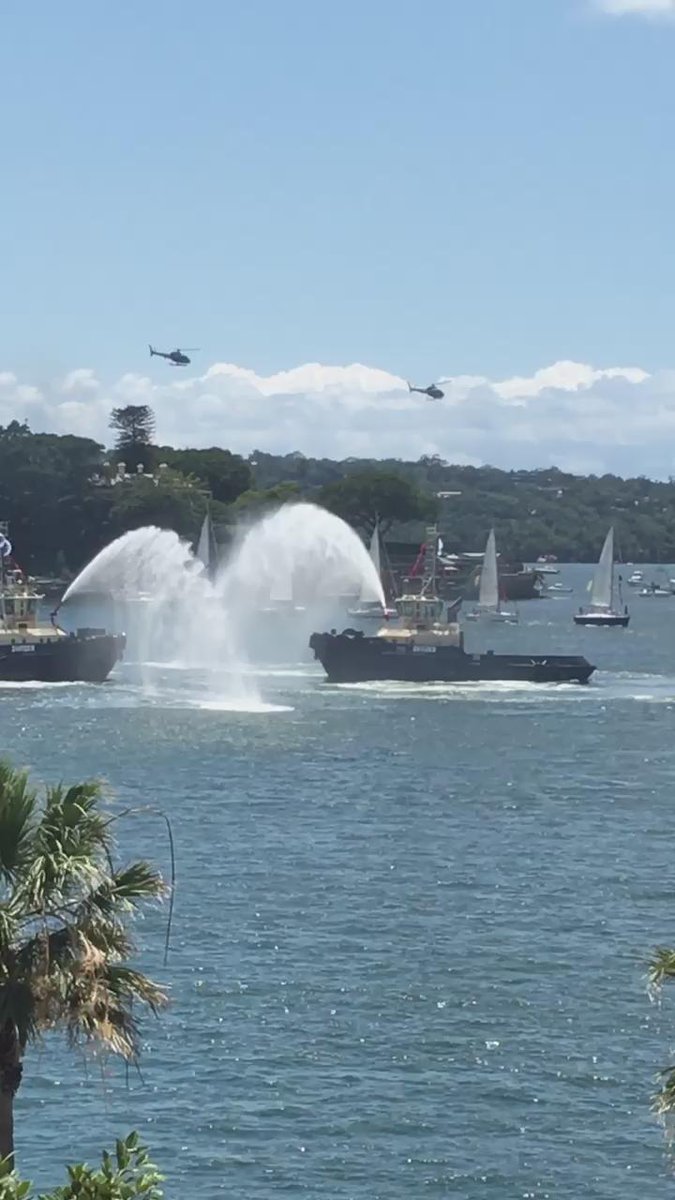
(189,349)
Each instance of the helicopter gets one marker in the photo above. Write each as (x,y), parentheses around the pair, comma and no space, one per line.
(433,391)
(177,358)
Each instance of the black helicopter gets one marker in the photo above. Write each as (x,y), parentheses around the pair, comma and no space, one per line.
(433,391)
(177,358)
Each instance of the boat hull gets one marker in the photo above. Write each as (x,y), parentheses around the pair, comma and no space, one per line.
(74,658)
(351,657)
(602,620)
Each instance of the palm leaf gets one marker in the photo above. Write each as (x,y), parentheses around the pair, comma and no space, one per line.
(17,809)
(65,942)
(661,968)
(101,1008)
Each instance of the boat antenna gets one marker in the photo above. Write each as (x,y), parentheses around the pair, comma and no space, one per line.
(5,551)
(430,552)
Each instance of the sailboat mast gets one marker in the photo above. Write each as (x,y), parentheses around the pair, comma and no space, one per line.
(430,552)
(4,530)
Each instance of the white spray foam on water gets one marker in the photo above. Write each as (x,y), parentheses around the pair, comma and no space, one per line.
(287,573)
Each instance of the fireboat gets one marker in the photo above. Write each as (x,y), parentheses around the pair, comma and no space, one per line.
(46,653)
(427,646)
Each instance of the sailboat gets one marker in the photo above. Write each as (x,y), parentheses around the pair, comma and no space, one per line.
(281,597)
(489,604)
(368,607)
(601,611)
(207,551)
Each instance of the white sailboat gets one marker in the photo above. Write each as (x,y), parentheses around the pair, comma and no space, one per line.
(369,606)
(282,598)
(489,605)
(206,546)
(602,611)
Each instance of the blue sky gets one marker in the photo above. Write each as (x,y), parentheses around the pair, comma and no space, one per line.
(479,187)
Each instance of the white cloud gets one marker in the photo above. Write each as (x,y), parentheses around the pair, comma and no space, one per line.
(571,414)
(647,8)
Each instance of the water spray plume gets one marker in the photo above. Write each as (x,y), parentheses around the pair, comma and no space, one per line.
(304,553)
(144,561)
(297,566)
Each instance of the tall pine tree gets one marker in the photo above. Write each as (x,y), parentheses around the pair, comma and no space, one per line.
(135,428)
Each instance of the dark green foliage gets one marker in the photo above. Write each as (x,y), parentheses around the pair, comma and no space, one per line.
(56,494)
(254,503)
(223,474)
(171,501)
(44,480)
(127,1174)
(362,496)
(534,512)
(134,425)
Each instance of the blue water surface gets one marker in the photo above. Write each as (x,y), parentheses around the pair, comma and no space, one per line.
(411,924)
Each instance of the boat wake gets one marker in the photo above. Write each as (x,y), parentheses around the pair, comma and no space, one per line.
(604,688)
(483,690)
(33,685)
(224,705)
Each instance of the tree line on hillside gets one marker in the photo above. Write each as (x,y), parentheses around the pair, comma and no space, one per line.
(65,497)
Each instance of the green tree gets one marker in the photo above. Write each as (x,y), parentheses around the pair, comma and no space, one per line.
(65,945)
(44,480)
(171,501)
(254,503)
(135,427)
(125,1175)
(224,474)
(362,497)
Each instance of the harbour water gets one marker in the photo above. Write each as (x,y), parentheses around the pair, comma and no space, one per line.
(411,924)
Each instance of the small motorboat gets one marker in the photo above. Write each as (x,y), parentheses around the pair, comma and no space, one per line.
(655,589)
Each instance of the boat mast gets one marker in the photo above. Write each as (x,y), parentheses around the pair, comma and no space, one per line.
(430,554)
(4,532)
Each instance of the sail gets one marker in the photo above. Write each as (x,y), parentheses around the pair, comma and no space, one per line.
(488,595)
(206,546)
(281,591)
(369,594)
(601,592)
(375,549)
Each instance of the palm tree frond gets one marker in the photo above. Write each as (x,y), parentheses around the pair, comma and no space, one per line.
(661,968)
(128,984)
(72,821)
(663,1102)
(8,931)
(17,810)
(65,941)
(101,1009)
(138,882)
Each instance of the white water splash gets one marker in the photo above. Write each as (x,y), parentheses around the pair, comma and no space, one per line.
(289,573)
(141,563)
(301,555)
